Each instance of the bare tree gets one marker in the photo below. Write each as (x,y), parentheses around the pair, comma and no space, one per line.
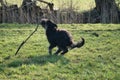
(1,1)
(108,11)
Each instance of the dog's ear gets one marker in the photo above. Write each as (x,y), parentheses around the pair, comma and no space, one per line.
(51,24)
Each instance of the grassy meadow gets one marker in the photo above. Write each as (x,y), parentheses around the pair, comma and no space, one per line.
(98,59)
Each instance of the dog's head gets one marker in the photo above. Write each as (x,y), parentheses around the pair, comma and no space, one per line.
(48,24)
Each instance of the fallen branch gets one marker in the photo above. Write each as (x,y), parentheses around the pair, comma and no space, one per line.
(26,40)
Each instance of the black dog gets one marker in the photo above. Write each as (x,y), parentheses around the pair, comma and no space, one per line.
(59,38)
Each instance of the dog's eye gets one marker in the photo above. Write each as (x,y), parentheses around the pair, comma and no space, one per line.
(42,23)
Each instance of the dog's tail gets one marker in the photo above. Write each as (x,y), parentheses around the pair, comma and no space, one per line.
(78,44)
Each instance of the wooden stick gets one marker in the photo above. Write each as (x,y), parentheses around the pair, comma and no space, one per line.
(26,40)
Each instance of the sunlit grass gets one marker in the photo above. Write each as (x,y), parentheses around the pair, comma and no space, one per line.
(98,59)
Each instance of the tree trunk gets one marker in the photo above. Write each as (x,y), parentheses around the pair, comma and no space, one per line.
(108,11)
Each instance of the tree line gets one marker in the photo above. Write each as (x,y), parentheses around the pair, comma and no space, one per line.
(106,11)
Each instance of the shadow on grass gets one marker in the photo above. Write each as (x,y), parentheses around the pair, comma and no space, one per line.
(41,60)
(102,30)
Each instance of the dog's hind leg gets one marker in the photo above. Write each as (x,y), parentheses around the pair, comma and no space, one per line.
(58,51)
(65,50)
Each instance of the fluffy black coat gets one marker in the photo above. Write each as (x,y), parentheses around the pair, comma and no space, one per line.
(59,38)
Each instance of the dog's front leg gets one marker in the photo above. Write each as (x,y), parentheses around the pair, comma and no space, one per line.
(50,49)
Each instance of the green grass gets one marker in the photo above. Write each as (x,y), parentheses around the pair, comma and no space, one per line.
(98,59)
